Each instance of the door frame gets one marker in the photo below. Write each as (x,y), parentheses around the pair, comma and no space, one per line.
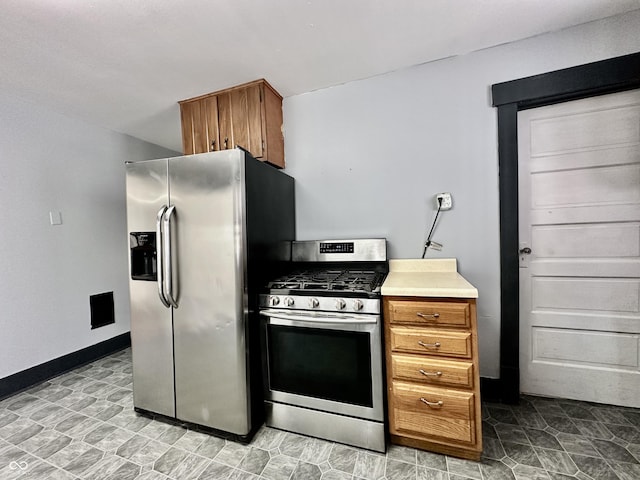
(589,80)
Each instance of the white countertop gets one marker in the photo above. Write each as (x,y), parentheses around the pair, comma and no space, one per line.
(427,278)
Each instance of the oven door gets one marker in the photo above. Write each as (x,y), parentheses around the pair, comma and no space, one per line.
(324,361)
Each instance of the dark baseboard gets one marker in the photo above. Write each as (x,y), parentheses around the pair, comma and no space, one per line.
(498,390)
(510,384)
(490,389)
(32,376)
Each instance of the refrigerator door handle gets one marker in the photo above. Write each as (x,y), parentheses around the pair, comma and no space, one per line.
(159,250)
(168,262)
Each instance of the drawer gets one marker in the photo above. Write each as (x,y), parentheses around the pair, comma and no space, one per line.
(450,314)
(449,414)
(429,370)
(430,341)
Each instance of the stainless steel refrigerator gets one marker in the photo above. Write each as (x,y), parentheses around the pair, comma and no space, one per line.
(205,232)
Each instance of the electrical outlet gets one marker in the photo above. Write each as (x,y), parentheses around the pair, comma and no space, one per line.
(447,201)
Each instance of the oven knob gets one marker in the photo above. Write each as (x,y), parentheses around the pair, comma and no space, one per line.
(357,305)
(313,303)
(289,301)
(340,304)
(273,301)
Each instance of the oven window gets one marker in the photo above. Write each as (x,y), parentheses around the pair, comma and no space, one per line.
(329,364)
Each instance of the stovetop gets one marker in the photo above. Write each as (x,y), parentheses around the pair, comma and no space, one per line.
(330,275)
(326,281)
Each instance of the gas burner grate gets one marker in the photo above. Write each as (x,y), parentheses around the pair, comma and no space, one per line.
(345,280)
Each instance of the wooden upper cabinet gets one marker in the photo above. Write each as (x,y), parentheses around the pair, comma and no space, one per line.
(249,115)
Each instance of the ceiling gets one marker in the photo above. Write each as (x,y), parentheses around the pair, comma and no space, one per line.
(123,64)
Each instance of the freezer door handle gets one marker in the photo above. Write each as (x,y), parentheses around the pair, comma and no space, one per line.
(168,261)
(159,253)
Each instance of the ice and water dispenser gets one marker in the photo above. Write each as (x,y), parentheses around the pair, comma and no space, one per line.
(143,256)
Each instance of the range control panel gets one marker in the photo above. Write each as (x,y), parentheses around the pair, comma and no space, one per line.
(342,247)
(339,250)
(328,304)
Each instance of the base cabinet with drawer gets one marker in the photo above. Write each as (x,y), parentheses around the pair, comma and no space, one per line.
(433,388)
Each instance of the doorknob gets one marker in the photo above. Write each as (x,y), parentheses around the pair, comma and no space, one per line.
(525,250)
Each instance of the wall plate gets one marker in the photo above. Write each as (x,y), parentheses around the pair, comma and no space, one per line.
(447,201)
(55,217)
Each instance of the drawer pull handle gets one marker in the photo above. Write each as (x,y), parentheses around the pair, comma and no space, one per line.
(435,316)
(429,345)
(430,374)
(439,403)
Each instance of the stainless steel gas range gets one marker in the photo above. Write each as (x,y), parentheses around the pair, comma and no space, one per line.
(321,334)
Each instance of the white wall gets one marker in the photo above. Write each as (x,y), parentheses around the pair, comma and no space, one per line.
(369,156)
(52,162)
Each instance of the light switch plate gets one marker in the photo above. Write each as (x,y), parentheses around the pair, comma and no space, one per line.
(55,217)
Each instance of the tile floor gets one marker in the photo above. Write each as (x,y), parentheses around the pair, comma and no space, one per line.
(82,425)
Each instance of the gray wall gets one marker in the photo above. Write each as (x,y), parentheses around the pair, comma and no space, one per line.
(52,162)
(369,156)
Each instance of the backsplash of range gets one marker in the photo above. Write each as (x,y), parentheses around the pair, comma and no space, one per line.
(321,333)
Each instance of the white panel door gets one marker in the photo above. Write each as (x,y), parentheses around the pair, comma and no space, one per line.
(579,214)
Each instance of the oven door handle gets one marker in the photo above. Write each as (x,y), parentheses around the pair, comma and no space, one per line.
(333,318)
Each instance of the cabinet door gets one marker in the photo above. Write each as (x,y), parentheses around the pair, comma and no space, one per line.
(210,121)
(225,121)
(189,125)
(200,126)
(245,119)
